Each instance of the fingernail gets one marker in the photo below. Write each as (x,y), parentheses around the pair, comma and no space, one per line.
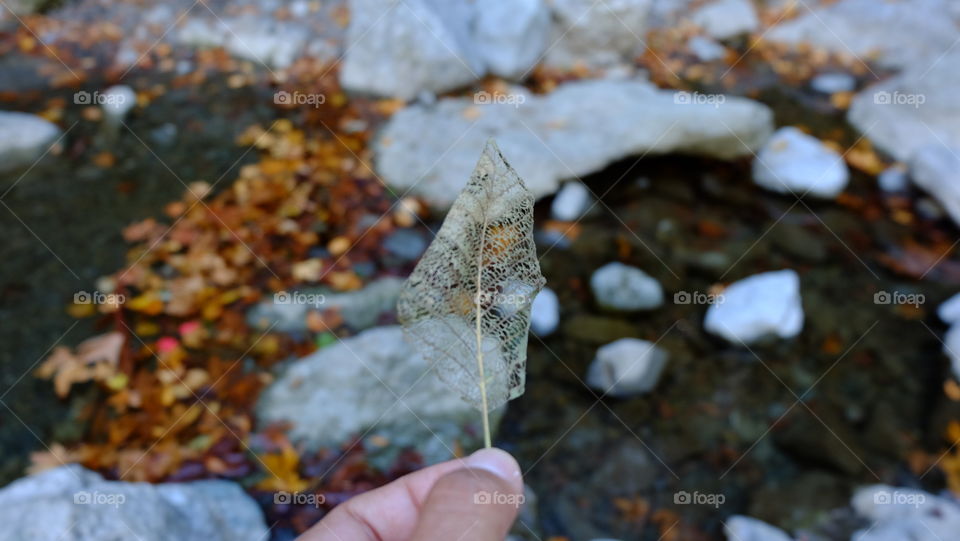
(497,462)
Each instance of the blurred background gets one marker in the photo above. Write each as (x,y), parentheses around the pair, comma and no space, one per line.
(747,218)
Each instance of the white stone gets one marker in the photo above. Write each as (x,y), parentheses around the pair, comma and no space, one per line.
(899,513)
(197,32)
(621,287)
(706,49)
(400,48)
(117,101)
(894,34)
(431,150)
(274,44)
(545,313)
(914,109)
(269,42)
(936,169)
(511,35)
(23,139)
(832,83)
(597,34)
(893,179)
(949,310)
(360,309)
(742,528)
(374,380)
(794,162)
(951,348)
(72,503)
(723,19)
(761,305)
(626,367)
(571,201)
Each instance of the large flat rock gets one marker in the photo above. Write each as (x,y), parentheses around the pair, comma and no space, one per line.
(893,33)
(371,384)
(71,503)
(430,150)
(914,109)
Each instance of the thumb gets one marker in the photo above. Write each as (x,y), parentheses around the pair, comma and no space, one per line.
(475,503)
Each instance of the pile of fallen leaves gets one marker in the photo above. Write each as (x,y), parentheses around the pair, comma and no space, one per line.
(177,369)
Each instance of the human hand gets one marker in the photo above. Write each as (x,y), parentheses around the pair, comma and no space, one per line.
(447,501)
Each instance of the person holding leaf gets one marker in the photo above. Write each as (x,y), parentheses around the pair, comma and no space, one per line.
(444,502)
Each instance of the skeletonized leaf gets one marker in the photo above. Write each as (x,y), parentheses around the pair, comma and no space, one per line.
(474,287)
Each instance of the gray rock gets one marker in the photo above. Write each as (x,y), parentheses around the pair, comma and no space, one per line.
(273,43)
(627,367)
(914,109)
(555,137)
(399,48)
(360,309)
(794,162)
(706,49)
(741,528)
(893,179)
(374,383)
(511,35)
(23,139)
(597,34)
(894,34)
(545,313)
(723,19)
(751,309)
(936,169)
(571,201)
(621,287)
(405,244)
(71,503)
(831,83)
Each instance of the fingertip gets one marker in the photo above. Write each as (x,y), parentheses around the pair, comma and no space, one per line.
(499,463)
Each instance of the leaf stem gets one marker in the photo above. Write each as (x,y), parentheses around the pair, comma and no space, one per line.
(479,330)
